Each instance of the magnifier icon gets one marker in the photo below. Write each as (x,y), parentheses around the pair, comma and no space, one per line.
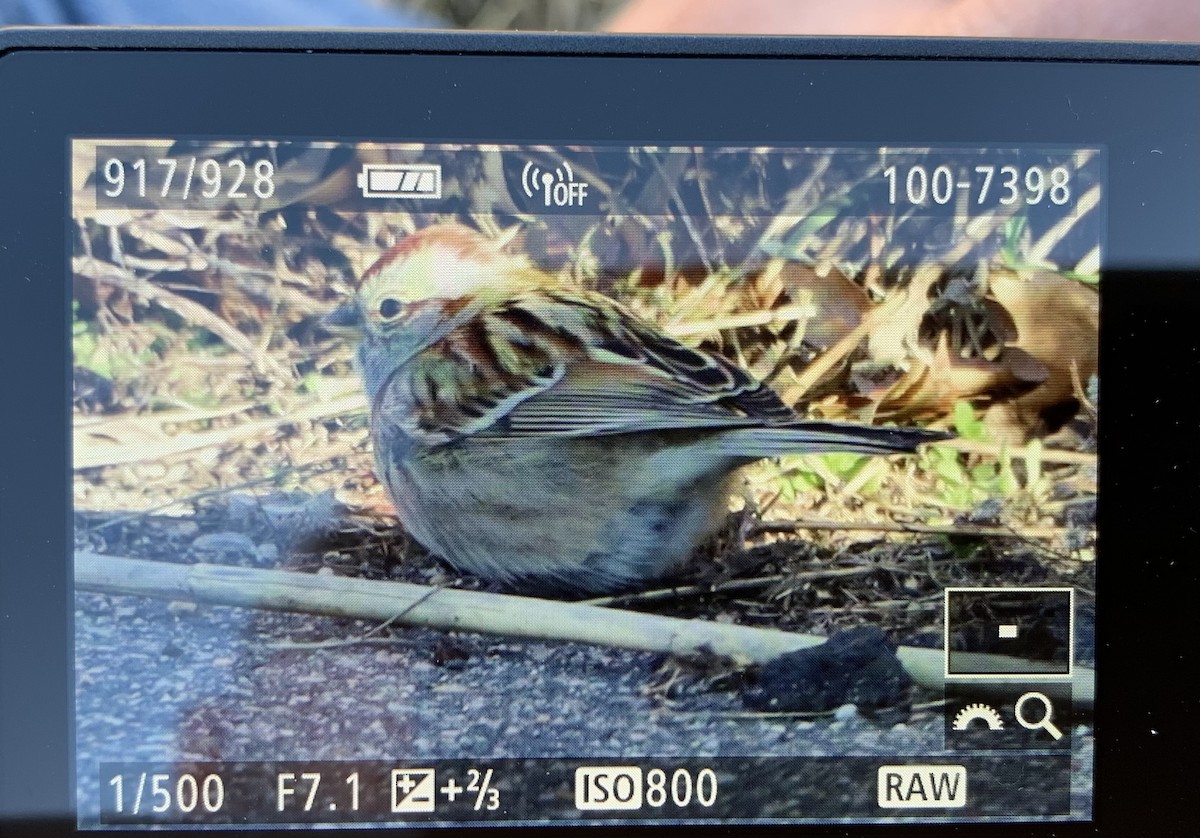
(1044,723)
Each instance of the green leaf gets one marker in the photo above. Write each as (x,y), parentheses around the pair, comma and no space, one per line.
(843,464)
(806,481)
(952,471)
(966,424)
(1009,485)
(1033,462)
(985,474)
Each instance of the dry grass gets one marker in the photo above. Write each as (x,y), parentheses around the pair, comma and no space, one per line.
(201,373)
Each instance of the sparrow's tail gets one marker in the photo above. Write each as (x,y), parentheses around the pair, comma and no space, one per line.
(816,437)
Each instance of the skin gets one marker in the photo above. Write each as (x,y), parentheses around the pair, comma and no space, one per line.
(1138,20)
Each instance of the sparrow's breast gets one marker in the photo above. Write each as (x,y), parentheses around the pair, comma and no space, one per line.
(581,514)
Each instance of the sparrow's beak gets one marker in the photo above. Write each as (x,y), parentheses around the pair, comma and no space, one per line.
(343,320)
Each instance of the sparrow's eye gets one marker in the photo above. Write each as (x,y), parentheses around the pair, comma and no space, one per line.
(389,308)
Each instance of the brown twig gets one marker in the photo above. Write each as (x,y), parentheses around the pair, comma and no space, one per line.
(824,362)
(189,310)
(504,615)
(131,439)
(783,314)
(682,591)
(967,530)
(1048,455)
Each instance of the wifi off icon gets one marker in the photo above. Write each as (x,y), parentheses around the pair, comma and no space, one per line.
(555,187)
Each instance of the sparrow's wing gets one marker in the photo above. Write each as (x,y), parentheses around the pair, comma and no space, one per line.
(559,364)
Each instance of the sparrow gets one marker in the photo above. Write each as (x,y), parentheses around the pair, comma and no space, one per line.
(550,439)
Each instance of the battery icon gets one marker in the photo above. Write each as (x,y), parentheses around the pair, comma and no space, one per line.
(401,180)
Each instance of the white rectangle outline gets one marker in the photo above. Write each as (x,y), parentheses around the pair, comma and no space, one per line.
(917,768)
(634,771)
(420,805)
(367,168)
(1014,676)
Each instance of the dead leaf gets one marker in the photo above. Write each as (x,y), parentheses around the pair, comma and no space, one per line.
(929,389)
(1057,321)
(839,304)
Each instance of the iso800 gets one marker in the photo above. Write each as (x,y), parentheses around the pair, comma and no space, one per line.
(626,787)
(920,185)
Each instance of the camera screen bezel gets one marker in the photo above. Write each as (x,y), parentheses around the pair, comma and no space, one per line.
(1138,101)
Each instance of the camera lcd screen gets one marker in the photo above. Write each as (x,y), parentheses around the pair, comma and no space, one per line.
(590,398)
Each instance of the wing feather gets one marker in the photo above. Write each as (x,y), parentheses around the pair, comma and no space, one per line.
(552,363)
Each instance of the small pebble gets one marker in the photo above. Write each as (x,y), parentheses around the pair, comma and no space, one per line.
(846,713)
(229,543)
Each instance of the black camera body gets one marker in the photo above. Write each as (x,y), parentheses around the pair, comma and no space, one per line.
(427,429)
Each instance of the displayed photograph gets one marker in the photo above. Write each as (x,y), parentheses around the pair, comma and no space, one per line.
(455,475)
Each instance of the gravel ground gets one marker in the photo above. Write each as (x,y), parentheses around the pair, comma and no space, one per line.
(167,682)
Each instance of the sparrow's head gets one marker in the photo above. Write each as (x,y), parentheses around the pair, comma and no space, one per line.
(419,290)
